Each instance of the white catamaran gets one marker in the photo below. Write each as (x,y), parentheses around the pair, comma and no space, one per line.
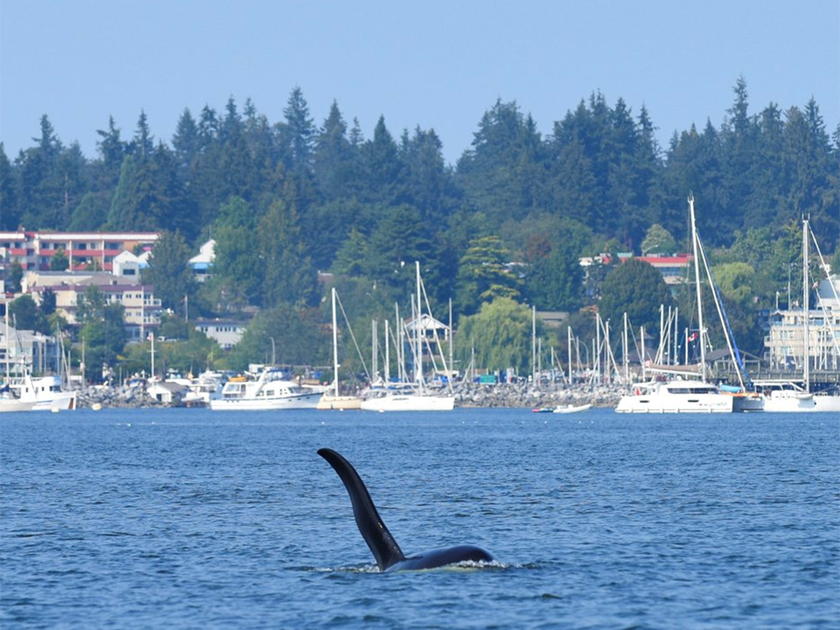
(681,396)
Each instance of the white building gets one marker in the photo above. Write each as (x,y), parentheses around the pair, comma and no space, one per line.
(785,343)
(226,332)
(201,263)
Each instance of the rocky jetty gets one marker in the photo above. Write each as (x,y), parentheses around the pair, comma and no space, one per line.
(515,395)
(526,395)
(119,397)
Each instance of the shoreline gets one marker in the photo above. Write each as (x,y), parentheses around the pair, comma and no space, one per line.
(467,396)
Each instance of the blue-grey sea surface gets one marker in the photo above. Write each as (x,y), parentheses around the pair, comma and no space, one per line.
(189,518)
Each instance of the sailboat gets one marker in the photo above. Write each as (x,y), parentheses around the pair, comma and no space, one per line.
(681,396)
(335,400)
(415,396)
(791,397)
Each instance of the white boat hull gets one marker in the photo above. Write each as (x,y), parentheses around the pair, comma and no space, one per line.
(409,402)
(827,403)
(571,408)
(303,401)
(57,402)
(676,397)
(9,405)
(342,403)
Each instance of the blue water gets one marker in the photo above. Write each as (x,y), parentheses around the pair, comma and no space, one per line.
(197,519)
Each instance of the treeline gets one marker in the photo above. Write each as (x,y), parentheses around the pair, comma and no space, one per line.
(288,198)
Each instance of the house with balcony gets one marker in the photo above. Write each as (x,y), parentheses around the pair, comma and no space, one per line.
(34,250)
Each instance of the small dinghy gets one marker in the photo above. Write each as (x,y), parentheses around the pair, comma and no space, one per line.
(571,408)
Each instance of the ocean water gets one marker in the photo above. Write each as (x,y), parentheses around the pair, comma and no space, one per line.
(198,519)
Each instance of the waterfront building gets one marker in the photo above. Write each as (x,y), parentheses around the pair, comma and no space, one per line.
(34,250)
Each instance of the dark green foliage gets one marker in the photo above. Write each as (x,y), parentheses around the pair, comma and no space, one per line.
(636,288)
(483,276)
(59,261)
(298,339)
(556,281)
(25,315)
(287,273)
(169,272)
(307,198)
(102,331)
(9,219)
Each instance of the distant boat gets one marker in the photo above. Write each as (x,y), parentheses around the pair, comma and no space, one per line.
(10,402)
(682,396)
(571,408)
(45,393)
(415,396)
(335,400)
(676,397)
(407,400)
(270,391)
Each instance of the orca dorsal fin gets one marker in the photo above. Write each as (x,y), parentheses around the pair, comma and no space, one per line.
(383,546)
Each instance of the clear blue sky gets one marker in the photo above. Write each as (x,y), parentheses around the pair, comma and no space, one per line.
(434,63)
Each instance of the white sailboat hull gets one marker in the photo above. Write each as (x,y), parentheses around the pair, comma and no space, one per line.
(342,403)
(409,402)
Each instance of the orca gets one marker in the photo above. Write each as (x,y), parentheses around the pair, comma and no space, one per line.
(385,549)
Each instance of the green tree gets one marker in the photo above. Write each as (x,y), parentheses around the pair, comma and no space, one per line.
(102,331)
(500,335)
(14,277)
(237,273)
(299,339)
(9,213)
(59,261)
(26,315)
(288,276)
(169,271)
(658,241)
(556,281)
(636,288)
(483,276)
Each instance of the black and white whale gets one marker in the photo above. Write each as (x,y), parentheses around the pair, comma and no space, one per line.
(385,549)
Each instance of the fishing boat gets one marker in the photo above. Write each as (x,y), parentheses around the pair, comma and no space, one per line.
(44,393)
(270,391)
(9,401)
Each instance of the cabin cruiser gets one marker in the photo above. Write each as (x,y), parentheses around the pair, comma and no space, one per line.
(270,391)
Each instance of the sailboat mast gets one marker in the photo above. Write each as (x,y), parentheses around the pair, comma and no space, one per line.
(699,291)
(335,343)
(806,307)
(417,329)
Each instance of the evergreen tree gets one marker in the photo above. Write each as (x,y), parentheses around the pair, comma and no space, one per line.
(636,288)
(169,271)
(287,272)
(298,133)
(483,275)
(9,216)
(382,168)
(333,156)
(40,191)
(556,281)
